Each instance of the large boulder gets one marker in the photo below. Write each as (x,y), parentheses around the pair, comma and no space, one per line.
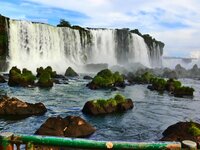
(70,72)
(2,79)
(18,78)
(71,126)
(101,106)
(105,79)
(184,91)
(182,131)
(17,108)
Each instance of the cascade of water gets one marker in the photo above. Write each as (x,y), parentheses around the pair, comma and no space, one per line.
(138,51)
(103,48)
(32,45)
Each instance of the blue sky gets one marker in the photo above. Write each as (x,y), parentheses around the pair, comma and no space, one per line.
(176,23)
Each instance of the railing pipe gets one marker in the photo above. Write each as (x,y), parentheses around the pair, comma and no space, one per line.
(31,140)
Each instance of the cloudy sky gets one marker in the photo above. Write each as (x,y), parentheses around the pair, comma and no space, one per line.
(176,23)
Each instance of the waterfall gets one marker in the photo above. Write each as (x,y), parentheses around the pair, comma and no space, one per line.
(32,45)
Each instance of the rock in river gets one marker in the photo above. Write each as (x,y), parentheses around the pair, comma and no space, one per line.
(183,131)
(70,126)
(17,108)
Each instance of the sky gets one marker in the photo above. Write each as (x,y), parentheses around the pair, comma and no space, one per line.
(176,23)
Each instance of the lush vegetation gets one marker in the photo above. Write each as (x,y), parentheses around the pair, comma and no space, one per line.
(45,76)
(159,84)
(194,130)
(64,23)
(47,69)
(100,103)
(107,79)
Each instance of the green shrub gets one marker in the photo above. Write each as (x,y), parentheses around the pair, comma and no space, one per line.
(106,78)
(194,130)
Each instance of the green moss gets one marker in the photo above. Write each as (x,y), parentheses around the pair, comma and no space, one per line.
(106,78)
(117,77)
(146,77)
(159,84)
(24,78)
(27,76)
(47,69)
(105,73)
(100,103)
(119,98)
(183,91)
(44,77)
(194,130)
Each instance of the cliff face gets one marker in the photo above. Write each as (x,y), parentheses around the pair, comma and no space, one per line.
(74,45)
(3,42)
(155,47)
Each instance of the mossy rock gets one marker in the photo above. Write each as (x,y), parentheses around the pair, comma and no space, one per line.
(183,131)
(172,84)
(101,106)
(18,78)
(45,80)
(48,69)
(145,78)
(158,84)
(105,79)
(183,91)
(70,72)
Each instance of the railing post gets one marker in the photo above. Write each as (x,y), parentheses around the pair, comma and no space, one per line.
(189,145)
(5,139)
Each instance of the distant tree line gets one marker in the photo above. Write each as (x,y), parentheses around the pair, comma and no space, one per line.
(64,23)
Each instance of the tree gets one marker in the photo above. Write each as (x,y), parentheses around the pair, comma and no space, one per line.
(64,23)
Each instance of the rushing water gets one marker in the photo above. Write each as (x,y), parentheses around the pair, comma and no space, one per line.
(47,45)
(151,115)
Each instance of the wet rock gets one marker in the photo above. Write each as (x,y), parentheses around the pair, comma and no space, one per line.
(182,131)
(59,76)
(16,107)
(2,79)
(70,72)
(116,104)
(87,78)
(71,126)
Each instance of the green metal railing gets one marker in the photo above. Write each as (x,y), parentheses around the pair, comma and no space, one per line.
(8,141)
